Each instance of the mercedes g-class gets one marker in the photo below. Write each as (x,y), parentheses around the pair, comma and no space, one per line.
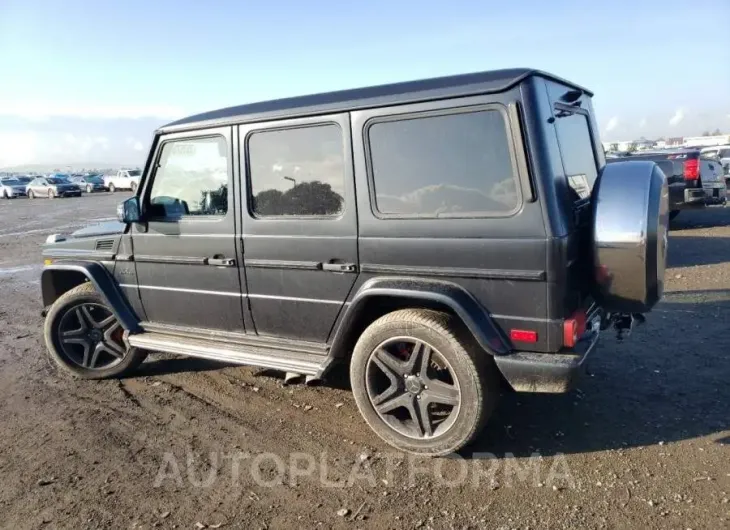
(439,236)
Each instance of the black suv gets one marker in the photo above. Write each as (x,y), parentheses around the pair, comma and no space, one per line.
(437,235)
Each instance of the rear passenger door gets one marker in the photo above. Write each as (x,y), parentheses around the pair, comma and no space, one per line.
(299,224)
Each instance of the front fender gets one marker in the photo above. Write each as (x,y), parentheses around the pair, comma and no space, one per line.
(54,283)
(442,293)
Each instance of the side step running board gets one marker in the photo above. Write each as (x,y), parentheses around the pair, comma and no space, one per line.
(276,359)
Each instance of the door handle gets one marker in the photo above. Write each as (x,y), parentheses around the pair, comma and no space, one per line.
(339,267)
(220,262)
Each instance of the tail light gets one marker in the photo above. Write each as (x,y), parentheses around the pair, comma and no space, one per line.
(573,328)
(691,169)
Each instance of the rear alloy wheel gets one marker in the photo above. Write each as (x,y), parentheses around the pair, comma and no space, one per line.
(420,384)
(112,189)
(51,194)
(85,339)
(89,188)
(31,195)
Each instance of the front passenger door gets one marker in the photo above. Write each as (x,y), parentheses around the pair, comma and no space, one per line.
(185,252)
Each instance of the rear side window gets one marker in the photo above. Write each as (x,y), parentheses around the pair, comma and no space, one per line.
(297,172)
(576,148)
(453,165)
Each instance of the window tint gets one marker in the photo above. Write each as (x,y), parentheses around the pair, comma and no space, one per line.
(297,172)
(192,178)
(576,147)
(725,153)
(456,165)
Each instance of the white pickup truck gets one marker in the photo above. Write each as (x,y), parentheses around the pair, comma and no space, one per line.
(124,179)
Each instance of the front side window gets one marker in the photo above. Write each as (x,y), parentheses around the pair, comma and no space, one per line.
(454,165)
(191,178)
(298,172)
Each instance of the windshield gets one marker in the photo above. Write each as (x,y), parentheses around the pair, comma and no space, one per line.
(10,181)
(24,180)
(57,180)
(135,173)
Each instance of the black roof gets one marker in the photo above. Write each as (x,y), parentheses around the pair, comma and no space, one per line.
(369,97)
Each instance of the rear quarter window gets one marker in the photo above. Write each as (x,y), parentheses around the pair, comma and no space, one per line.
(433,165)
(576,149)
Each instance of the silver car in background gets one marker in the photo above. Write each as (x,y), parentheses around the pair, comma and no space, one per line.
(713,180)
(52,187)
(722,154)
(11,187)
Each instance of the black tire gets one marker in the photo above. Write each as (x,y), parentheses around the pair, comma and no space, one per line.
(5,195)
(117,358)
(673,214)
(471,370)
(112,189)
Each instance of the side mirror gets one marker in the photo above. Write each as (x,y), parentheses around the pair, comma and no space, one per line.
(129,211)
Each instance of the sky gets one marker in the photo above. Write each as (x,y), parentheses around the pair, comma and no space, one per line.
(85,82)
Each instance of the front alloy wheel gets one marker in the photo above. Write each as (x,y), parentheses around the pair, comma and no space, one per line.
(422,383)
(89,189)
(84,337)
(91,337)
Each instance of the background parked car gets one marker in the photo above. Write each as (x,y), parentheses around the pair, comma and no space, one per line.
(89,183)
(722,154)
(713,180)
(25,180)
(52,187)
(124,179)
(11,187)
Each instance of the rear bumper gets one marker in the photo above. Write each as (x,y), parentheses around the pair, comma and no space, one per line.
(552,373)
(683,198)
(716,193)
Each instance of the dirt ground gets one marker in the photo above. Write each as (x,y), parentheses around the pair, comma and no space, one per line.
(643,443)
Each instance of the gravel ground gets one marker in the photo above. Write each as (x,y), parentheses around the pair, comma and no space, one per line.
(643,443)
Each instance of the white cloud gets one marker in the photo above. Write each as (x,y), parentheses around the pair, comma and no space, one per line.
(642,123)
(677,118)
(18,148)
(612,123)
(38,111)
(138,146)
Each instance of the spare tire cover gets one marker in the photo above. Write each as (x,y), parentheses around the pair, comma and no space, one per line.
(630,224)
